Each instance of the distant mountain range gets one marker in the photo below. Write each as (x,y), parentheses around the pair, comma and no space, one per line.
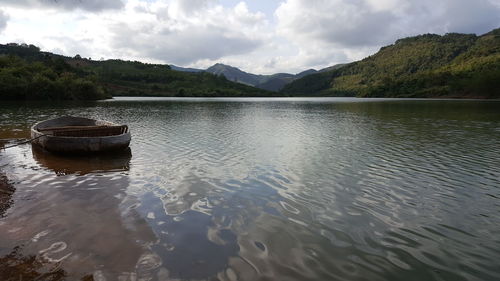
(274,82)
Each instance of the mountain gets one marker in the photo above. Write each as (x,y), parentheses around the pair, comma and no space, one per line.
(28,73)
(453,65)
(236,75)
(333,67)
(274,82)
(305,73)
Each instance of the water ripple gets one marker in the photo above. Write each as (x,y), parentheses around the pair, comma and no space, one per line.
(252,190)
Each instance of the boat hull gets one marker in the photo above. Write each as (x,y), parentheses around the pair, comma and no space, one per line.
(77,145)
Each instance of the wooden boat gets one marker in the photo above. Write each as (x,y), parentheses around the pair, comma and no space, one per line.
(79,135)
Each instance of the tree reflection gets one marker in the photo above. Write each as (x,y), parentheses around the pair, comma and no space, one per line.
(15,266)
(6,192)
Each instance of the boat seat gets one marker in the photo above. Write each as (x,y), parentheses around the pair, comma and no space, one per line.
(85,131)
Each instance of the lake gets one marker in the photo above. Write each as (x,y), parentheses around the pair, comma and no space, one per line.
(258,189)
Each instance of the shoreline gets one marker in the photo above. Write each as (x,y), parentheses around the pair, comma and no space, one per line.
(450,98)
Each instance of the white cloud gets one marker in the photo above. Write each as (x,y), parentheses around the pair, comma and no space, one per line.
(3,20)
(188,7)
(163,32)
(177,31)
(181,46)
(466,16)
(198,33)
(339,22)
(353,29)
(356,23)
(89,5)
(51,30)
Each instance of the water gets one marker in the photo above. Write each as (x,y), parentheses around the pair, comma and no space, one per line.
(259,189)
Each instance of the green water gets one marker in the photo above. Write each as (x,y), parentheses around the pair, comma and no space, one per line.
(259,189)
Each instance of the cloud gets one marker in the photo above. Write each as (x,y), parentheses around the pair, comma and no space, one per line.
(198,33)
(355,23)
(339,22)
(347,30)
(88,5)
(479,16)
(70,46)
(3,20)
(183,46)
(188,7)
(165,33)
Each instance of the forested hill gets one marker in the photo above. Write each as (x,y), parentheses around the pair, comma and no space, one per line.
(28,73)
(453,65)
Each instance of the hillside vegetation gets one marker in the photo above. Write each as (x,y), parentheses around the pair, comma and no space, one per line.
(139,79)
(453,65)
(45,80)
(27,73)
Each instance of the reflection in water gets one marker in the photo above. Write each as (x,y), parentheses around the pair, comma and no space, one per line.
(190,245)
(81,165)
(253,189)
(15,267)
(73,221)
(6,192)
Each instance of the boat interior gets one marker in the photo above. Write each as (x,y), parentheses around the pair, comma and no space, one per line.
(80,127)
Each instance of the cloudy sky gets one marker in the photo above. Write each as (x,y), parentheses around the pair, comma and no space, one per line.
(259,36)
